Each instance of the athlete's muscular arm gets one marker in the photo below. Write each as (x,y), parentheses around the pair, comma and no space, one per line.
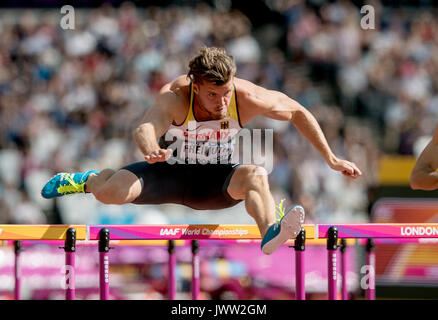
(156,122)
(424,175)
(278,106)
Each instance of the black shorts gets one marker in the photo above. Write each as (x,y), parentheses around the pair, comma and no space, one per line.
(198,186)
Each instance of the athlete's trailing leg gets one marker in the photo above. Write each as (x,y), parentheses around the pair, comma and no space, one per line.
(250,182)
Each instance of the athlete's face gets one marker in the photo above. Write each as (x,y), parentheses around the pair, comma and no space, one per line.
(214,99)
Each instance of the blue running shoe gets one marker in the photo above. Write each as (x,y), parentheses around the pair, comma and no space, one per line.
(287,227)
(66,184)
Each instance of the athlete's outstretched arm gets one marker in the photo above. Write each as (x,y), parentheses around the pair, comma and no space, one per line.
(156,122)
(276,105)
(424,175)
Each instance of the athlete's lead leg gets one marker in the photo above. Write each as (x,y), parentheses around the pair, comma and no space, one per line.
(112,187)
(108,186)
(250,183)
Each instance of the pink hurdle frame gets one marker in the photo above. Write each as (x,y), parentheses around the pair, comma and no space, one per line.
(300,272)
(172,265)
(104,241)
(332,257)
(384,232)
(70,249)
(370,292)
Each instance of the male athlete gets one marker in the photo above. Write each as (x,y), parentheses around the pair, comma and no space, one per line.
(196,117)
(424,175)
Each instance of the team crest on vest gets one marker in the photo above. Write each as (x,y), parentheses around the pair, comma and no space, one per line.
(224,125)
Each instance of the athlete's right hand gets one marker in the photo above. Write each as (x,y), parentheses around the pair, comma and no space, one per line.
(159,155)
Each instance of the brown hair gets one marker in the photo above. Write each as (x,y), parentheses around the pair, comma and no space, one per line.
(212,64)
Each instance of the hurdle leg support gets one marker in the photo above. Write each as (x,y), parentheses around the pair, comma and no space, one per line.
(195,270)
(300,273)
(370,291)
(70,249)
(332,245)
(17,271)
(172,265)
(104,247)
(344,288)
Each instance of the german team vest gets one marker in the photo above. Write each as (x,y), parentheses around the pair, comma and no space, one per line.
(210,141)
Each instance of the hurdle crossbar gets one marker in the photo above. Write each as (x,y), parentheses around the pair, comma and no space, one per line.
(184,231)
(214,232)
(333,234)
(39,231)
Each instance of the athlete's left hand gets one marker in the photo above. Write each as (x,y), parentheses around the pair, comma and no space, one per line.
(348,169)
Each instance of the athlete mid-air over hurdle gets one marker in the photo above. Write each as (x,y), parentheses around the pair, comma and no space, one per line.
(194,116)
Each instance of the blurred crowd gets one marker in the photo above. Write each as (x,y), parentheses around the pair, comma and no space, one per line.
(69,99)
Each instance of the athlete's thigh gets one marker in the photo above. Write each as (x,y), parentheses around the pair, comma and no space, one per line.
(124,184)
(160,182)
(206,186)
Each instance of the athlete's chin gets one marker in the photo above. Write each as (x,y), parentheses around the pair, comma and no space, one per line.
(220,114)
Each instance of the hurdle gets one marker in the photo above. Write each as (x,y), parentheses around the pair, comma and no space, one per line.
(68,233)
(336,237)
(185,232)
(396,232)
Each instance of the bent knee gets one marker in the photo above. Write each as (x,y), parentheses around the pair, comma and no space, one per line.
(251,170)
(246,178)
(106,196)
(255,177)
(111,195)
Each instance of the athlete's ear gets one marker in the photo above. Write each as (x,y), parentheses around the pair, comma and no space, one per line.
(196,88)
